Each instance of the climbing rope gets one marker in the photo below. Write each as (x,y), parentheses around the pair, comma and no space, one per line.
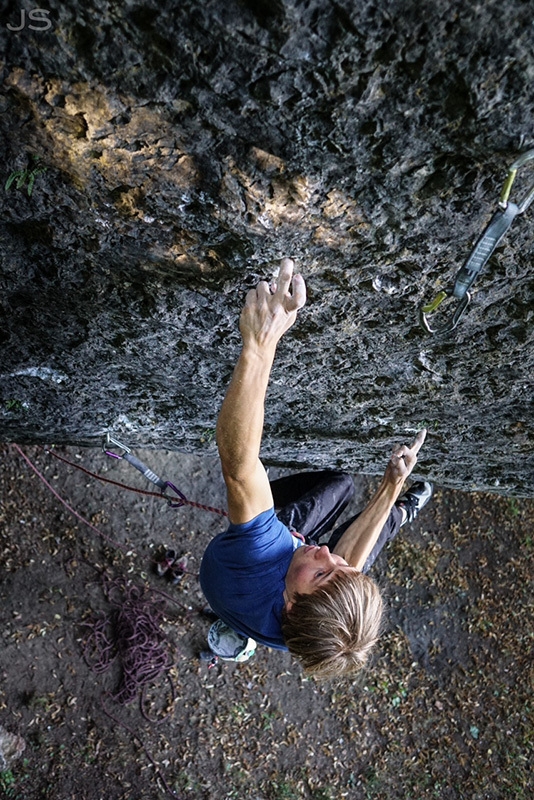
(125,548)
(486,244)
(147,472)
(152,477)
(132,634)
(64,502)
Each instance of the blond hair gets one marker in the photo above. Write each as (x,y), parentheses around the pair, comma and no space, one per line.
(333,630)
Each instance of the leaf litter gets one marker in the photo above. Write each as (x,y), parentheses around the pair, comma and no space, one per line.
(444,711)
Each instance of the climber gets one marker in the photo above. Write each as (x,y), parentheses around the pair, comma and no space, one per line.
(266,576)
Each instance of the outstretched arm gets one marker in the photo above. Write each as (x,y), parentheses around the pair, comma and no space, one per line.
(264,320)
(360,537)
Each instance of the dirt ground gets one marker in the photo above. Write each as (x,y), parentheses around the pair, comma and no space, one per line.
(445,711)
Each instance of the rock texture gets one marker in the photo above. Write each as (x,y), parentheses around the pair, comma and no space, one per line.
(11,747)
(189,146)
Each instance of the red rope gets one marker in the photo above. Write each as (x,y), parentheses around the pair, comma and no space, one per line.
(146,660)
(61,500)
(125,549)
(183,500)
(133,633)
(101,478)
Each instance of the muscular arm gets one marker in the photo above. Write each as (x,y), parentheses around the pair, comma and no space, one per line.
(264,320)
(239,431)
(360,537)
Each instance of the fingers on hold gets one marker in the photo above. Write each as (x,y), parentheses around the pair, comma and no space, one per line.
(418,441)
(250,299)
(404,454)
(413,449)
(299,290)
(285,274)
(263,290)
(298,298)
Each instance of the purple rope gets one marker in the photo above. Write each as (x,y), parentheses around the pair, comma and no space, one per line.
(132,634)
(183,501)
(61,500)
(135,735)
(99,649)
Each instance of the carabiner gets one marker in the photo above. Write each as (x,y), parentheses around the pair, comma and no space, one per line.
(507,188)
(479,256)
(128,456)
(430,307)
(110,441)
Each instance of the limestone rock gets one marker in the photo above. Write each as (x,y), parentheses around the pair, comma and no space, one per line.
(189,146)
(11,748)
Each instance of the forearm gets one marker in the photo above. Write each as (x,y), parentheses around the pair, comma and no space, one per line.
(268,313)
(360,538)
(240,422)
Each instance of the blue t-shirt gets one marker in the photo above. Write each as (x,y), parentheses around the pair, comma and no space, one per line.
(243,574)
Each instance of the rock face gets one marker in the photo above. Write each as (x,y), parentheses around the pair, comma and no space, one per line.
(11,747)
(188,146)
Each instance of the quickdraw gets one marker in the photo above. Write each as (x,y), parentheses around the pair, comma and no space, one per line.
(491,237)
(126,455)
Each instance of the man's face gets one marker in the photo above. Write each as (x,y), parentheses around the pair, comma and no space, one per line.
(310,568)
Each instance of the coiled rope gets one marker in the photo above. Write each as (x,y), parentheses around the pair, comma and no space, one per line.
(132,634)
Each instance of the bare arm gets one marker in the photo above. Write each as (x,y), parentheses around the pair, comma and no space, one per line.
(360,538)
(264,320)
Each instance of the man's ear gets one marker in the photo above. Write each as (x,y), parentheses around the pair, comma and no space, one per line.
(288,604)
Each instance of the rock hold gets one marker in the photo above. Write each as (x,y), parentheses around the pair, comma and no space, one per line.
(11,747)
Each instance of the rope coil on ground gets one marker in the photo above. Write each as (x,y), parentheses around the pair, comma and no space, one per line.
(131,633)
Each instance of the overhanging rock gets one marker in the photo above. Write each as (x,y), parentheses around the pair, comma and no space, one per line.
(188,147)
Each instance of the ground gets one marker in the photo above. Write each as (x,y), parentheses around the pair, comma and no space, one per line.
(444,711)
